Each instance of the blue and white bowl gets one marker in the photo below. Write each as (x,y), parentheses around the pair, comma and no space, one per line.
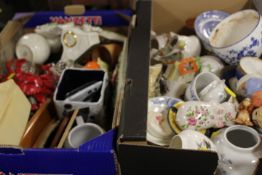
(237,36)
(206,22)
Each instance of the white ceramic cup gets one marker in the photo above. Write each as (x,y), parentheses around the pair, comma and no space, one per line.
(192,140)
(238,35)
(202,81)
(82,133)
(33,47)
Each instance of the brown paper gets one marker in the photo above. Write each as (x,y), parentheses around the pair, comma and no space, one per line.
(14,113)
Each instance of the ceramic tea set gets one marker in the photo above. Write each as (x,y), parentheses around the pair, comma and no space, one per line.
(210,98)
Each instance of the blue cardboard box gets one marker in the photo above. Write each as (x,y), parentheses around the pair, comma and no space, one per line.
(96,157)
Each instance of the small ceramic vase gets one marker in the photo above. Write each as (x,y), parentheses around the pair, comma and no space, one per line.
(192,140)
(33,47)
(198,115)
(159,130)
(237,147)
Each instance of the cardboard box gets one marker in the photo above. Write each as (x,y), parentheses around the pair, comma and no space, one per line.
(135,155)
(94,157)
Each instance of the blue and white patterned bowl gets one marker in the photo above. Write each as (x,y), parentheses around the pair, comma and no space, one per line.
(206,22)
(237,36)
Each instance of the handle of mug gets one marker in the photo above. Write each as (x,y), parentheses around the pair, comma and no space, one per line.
(79,120)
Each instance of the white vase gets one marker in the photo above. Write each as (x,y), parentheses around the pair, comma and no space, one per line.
(237,147)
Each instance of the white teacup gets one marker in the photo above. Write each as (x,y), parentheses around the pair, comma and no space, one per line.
(206,80)
(33,47)
(82,133)
(192,140)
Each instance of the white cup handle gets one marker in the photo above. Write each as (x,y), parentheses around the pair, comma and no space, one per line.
(79,120)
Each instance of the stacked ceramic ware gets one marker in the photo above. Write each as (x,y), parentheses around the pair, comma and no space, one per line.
(205,90)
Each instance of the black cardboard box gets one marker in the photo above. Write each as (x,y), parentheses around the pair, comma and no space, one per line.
(135,155)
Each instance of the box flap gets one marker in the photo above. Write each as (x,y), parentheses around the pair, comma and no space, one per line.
(141,160)
(103,143)
(134,110)
(171,15)
(105,18)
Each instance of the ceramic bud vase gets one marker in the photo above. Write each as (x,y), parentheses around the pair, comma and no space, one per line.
(237,149)
(198,115)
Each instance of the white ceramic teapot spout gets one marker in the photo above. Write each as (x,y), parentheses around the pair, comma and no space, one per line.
(198,115)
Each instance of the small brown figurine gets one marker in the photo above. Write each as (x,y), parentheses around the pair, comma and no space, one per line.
(257,117)
(243,117)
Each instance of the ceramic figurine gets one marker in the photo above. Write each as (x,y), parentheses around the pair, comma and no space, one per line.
(159,130)
(257,117)
(237,148)
(52,33)
(193,140)
(154,73)
(198,115)
(76,41)
(257,99)
(170,47)
(238,36)
(243,116)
